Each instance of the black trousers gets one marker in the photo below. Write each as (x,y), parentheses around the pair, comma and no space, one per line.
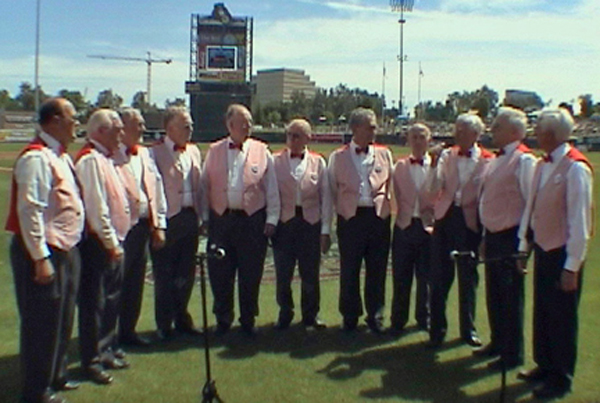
(451,234)
(136,258)
(411,257)
(245,244)
(174,268)
(46,313)
(505,294)
(99,301)
(363,237)
(555,319)
(297,241)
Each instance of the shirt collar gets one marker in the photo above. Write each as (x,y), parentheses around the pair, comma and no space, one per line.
(560,152)
(52,143)
(426,158)
(511,147)
(354,146)
(100,147)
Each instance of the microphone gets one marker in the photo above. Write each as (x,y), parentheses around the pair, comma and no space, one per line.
(216,252)
(456,254)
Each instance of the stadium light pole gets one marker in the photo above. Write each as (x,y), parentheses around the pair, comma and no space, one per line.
(401,6)
(37,56)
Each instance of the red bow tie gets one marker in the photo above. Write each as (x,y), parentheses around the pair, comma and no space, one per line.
(233,146)
(466,154)
(362,150)
(61,149)
(416,161)
(179,148)
(500,152)
(548,158)
(299,155)
(133,150)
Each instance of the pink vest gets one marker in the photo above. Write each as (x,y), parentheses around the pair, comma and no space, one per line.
(116,197)
(470,190)
(549,214)
(348,181)
(173,178)
(407,194)
(63,218)
(310,187)
(148,187)
(255,168)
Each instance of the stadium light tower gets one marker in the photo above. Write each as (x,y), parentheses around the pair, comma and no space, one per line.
(401,6)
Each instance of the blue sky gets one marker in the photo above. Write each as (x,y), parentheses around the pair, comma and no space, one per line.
(547,46)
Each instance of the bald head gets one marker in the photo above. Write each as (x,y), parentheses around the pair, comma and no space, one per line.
(238,120)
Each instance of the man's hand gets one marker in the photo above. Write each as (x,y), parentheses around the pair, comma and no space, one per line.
(44,272)
(522,263)
(116,254)
(481,250)
(269,230)
(158,238)
(569,280)
(435,153)
(204,229)
(325,243)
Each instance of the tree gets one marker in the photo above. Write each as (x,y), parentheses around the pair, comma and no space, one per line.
(139,101)
(108,99)
(26,96)
(77,99)
(175,102)
(586,105)
(6,101)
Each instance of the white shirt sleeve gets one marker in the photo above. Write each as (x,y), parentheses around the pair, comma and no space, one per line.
(326,202)
(272,192)
(579,220)
(34,179)
(94,198)
(435,177)
(161,198)
(205,208)
(333,186)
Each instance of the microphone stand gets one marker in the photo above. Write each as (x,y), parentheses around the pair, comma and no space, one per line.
(209,391)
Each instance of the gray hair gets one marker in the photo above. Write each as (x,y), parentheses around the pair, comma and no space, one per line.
(360,115)
(419,127)
(172,112)
(472,120)
(235,108)
(102,118)
(516,118)
(558,121)
(129,113)
(302,123)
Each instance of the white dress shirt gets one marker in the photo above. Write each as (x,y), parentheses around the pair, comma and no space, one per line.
(133,163)
(183,162)
(95,197)
(418,173)
(34,183)
(579,207)
(236,160)
(298,168)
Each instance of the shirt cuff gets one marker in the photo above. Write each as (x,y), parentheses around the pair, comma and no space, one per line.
(40,253)
(573,264)
(523,245)
(325,229)
(272,220)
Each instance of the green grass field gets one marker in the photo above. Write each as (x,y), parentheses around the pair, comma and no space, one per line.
(297,366)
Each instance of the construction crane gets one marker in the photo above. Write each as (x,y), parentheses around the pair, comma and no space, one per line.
(148,60)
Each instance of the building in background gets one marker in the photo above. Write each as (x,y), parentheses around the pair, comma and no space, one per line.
(277,85)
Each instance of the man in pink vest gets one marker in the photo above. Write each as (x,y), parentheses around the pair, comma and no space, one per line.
(412,233)
(148,210)
(46,217)
(242,209)
(559,213)
(180,165)
(108,221)
(504,192)
(304,224)
(455,176)
(360,176)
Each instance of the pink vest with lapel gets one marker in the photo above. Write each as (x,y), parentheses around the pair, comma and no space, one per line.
(470,191)
(504,204)
(549,214)
(310,187)
(255,167)
(348,181)
(406,194)
(173,178)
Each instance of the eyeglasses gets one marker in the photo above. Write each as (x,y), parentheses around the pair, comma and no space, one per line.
(294,135)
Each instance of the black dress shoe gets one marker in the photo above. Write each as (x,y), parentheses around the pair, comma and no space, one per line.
(349,325)
(509,364)
(396,331)
(115,363)
(98,375)
(134,340)
(164,335)
(65,385)
(551,390)
(53,398)
(534,375)
(316,323)
(120,353)
(376,327)
(487,351)
(434,343)
(250,330)
(472,341)
(222,329)
(282,324)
